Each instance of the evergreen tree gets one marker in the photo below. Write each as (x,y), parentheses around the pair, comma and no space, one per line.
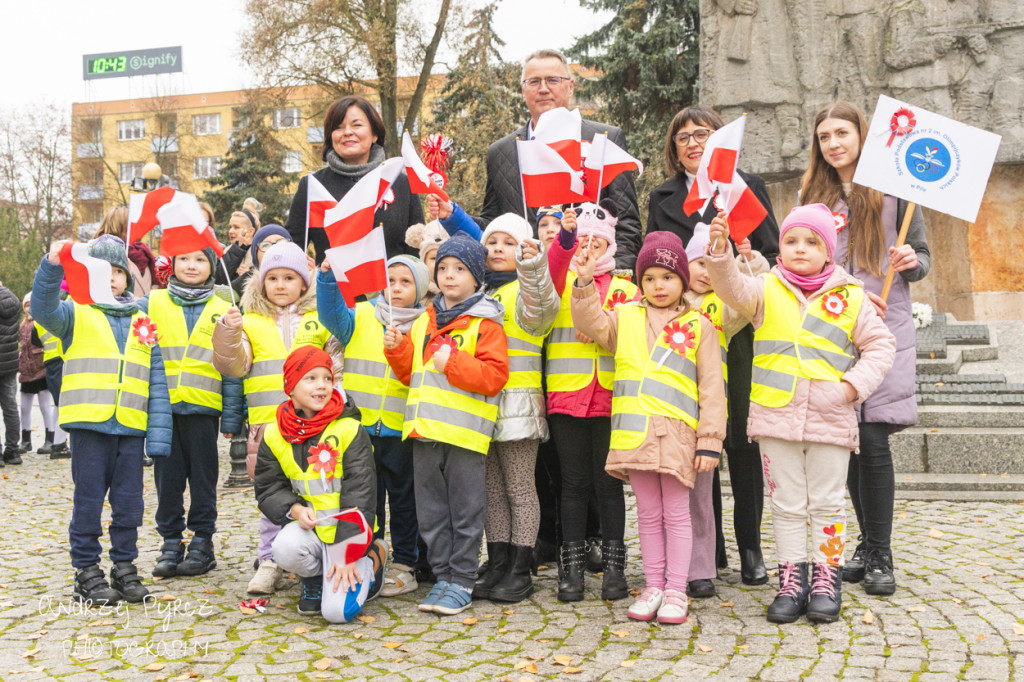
(20,252)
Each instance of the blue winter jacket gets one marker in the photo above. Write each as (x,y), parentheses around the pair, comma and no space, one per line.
(460,220)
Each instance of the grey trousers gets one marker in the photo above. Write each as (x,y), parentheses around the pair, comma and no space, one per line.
(303,553)
(9,405)
(702,524)
(451,503)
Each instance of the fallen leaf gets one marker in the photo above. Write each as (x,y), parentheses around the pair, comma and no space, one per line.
(725,604)
(704,647)
(915,609)
(366,619)
(357,635)
(526,666)
(868,618)
(957,601)
(92,668)
(982,563)
(980,637)
(36,635)
(628,664)
(322,664)
(935,533)
(392,645)
(1018,629)
(571,670)
(247,611)
(323,676)
(209,591)
(470,621)
(563,660)
(502,630)
(620,633)
(168,597)
(85,657)
(743,646)
(300,631)
(524,678)
(155,667)
(30,653)
(903,515)
(509,612)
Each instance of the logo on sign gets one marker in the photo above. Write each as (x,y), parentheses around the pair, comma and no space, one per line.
(928,159)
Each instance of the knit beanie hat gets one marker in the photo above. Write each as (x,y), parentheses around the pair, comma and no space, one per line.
(664,250)
(301,362)
(545,211)
(511,224)
(285,255)
(426,238)
(468,250)
(598,221)
(111,249)
(700,239)
(262,234)
(211,256)
(420,274)
(816,217)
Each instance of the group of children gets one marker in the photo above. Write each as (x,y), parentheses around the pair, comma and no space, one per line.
(487,345)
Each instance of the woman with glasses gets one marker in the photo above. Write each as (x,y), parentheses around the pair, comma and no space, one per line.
(265,237)
(241,229)
(684,147)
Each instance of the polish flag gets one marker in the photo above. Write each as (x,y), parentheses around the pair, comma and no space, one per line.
(88,278)
(547,178)
(185,229)
(142,209)
(352,217)
(717,172)
(560,129)
(360,266)
(606,161)
(354,547)
(319,201)
(420,180)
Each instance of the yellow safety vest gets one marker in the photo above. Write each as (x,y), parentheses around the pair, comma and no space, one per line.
(51,344)
(524,350)
(571,364)
(438,411)
(369,380)
(662,382)
(264,385)
(816,344)
(321,491)
(100,381)
(711,308)
(188,358)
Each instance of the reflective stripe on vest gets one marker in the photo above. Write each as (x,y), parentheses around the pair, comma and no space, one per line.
(99,381)
(321,491)
(369,380)
(570,364)
(711,307)
(438,411)
(524,350)
(51,344)
(188,358)
(264,389)
(816,344)
(662,382)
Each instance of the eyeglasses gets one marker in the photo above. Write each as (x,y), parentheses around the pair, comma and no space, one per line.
(552,81)
(700,136)
(267,244)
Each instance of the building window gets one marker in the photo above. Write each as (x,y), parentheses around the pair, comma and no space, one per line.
(292,162)
(207,166)
(131,130)
(315,135)
(126,172)
(206,124)
(287,118)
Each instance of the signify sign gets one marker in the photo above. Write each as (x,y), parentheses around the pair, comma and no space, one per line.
(132,63)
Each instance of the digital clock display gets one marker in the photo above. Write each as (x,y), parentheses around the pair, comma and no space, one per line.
(132,63)
(108,64)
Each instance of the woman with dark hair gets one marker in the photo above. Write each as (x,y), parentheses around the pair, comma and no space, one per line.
(353,146)
(684,147)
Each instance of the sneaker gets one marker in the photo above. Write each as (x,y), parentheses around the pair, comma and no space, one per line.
(855,567)
(878,578)
(647,604)
(172,553)
(434,596)
(267,579)
(398,579)
(674,608)
(125,578)
(378,552)
(455,600)
(92,588)
(61,451)
(311,596)
(12,455)
(200,558)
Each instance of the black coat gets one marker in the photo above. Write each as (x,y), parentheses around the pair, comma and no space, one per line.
(233,257)
(406,210)
(10,318)
(504,192)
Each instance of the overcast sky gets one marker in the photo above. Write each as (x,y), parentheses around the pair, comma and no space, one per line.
(43,43)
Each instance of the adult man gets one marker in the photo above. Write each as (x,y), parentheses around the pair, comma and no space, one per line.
(547,84)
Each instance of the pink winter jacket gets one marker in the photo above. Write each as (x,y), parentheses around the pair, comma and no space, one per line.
(818,412)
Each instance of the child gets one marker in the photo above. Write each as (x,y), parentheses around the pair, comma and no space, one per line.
(727,322)
(10,312)
(53,362)
(455,360)
(186,313)
(373,387)
(812,320)
(315,460)
(280,314)
(114,404)
(427,238)
(32,376)
(668,409)
(549,222)
(579,375)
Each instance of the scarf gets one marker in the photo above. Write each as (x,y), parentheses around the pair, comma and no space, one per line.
(809,283)
(127,306)
(496,280)
(187,294)
(445,315)
(355,171)
(296,429)
(140,254)
(403,318)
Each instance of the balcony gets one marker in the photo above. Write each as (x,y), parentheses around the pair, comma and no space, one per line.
(90,192)
(164,145)
(90,150)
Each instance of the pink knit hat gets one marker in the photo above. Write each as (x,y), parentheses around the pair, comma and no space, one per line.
(598,221)
(816,217)
(285,255)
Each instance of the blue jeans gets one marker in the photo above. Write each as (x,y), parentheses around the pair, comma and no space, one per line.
(393,459)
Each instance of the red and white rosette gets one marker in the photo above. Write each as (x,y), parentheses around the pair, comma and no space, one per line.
(679,337)
(617,299)
(144,330)
(839,219)
(834,304)
(901,123)
(324,459)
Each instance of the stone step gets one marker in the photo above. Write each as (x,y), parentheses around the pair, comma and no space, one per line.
(961,495)
(963,379)
(955,357)
(974,388)
(953,450)
(972,399)
(978,482)
(980,416)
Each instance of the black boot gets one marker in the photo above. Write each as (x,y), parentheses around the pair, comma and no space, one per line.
(517,584)
(92,588)
(493,570)
(26,441)
(594,564)
(570,571)
(700,589)
(311,596)
(61,451)
(125,578)
(47,446)
(12,455)
(853,571)
(791,601)
(613,561)
(171,554)
(544,552)
(878,577)
(752,570)
(200,558)
(826,594)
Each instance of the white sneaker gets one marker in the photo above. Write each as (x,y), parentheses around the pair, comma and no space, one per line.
(268,578)
(674,608)
(398,579)
(647,604)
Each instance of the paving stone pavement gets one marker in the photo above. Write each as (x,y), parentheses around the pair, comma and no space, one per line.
(958,613)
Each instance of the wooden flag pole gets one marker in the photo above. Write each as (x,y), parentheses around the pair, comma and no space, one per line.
(911,207)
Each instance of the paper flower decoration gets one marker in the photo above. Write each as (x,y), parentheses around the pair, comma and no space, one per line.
(834,304)
(840,221)
(324,459)
(679,337)
(145,331)
(617,299)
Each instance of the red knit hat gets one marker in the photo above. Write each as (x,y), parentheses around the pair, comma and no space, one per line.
(664,250)
(301,362)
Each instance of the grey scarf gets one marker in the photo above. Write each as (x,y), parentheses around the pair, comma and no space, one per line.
(357,171)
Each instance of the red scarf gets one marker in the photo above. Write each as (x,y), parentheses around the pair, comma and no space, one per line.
(296,429)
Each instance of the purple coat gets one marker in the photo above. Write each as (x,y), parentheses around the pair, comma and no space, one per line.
(894,402)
